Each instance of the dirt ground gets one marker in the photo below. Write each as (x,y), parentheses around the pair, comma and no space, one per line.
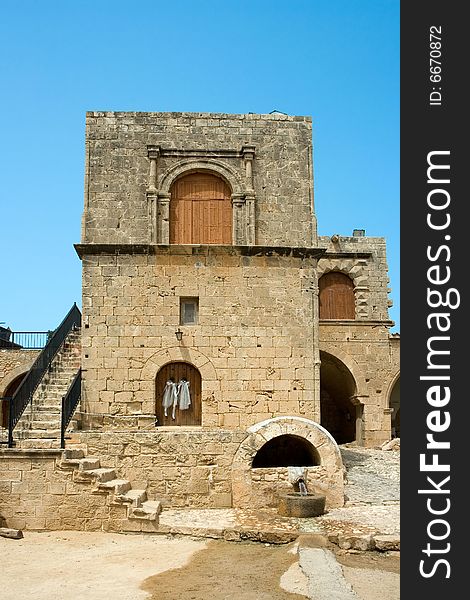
(88,566)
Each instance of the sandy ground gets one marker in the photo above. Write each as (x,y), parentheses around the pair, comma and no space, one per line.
(88,566)
(77,565)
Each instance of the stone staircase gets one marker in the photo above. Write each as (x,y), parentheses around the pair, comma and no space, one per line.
(39,425)
(142,514)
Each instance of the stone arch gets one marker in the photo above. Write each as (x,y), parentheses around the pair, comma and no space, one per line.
(393,405)
(326,478)
(340,410)
(178,354)
(350,363)
(216,167)
(7,388)
(14,374)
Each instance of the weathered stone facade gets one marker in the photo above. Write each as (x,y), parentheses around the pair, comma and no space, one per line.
(258,343)
(271,366)
(132,159)
(14,363)
(363,346)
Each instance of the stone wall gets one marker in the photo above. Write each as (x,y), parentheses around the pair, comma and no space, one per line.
(188,467)
(14,362)
(191,468)
(364,260)
(373,359)
(279,182)
(253,344)
(37,495)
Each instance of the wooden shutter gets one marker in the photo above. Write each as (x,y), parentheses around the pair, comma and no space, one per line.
(336,296)
(200,210)
(177,371)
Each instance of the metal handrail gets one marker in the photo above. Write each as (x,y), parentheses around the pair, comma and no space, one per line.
(69,404)
(24,394)
(28,340)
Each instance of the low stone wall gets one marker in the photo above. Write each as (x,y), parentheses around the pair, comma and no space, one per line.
(180,467)
(201,468)
(193,467)
(36,495)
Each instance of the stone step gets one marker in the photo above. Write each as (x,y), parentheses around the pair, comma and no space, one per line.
(47,422)
(45,429)
(52,389)
(73,463)
(73,453)
(38,444)
(101,474)
(118,486)
(39,434)
(149,510)
(133,497)
(88,463)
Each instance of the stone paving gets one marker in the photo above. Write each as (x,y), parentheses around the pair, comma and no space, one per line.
(370,518)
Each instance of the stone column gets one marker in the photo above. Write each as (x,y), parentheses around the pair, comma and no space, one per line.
(152,193)
(250,219)
(152,200)
(153,154)
(238,203)
(163,218)
(248,153)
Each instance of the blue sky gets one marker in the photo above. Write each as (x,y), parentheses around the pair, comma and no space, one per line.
(336,60)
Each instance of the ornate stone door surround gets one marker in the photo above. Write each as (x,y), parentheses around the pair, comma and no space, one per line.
(234,166)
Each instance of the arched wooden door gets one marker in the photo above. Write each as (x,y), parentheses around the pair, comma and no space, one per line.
(200,210)
(176,371)
(4,405)
(336,296)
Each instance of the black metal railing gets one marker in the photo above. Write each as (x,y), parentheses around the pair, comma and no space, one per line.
(24,394)
(69,404)
(28,340)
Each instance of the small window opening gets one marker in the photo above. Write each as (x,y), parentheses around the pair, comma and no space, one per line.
(189,311)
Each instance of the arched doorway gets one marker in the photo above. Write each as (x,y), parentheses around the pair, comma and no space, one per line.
(394,404)
(336,296)
(286,451)
(176,372)
(9,391)
(200,210)
(339,414)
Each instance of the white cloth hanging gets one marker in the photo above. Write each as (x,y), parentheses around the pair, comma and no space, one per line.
(170,397)
(184,397)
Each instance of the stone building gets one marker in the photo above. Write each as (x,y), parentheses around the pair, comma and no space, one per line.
(202,263)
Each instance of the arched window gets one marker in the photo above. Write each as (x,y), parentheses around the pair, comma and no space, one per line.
(200,210)
(176,372)
(336,296)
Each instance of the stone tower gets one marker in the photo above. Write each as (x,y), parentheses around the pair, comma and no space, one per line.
(203,271)
(202,223)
